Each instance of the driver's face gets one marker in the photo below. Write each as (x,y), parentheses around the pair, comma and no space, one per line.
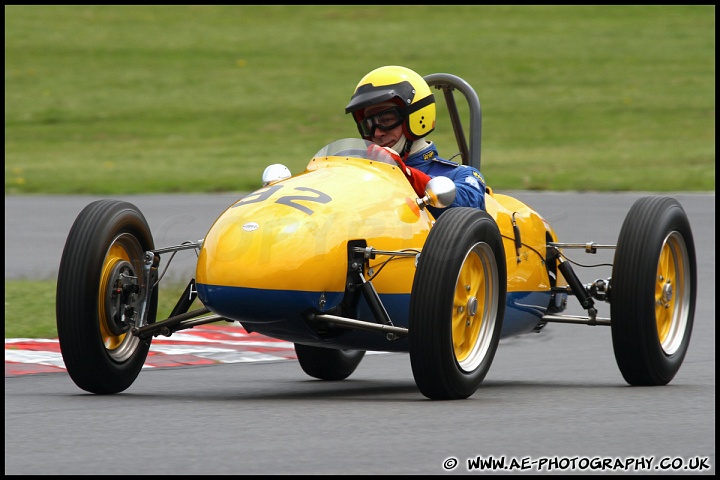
(384,138)
(389,138)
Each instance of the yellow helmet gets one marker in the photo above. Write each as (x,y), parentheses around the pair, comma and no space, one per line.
(402,86)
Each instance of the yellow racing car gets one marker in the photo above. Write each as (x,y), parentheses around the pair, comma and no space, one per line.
(345,258)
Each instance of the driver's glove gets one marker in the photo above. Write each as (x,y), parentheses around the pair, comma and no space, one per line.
(418,180)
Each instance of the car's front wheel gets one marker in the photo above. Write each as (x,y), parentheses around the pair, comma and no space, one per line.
(457,304)
(100,290)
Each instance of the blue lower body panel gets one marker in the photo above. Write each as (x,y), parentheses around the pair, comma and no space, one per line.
(523,312)
(281,314)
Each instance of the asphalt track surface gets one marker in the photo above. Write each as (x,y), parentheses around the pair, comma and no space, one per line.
(551,400)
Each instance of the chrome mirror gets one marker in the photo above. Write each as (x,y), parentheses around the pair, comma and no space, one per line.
(439,192)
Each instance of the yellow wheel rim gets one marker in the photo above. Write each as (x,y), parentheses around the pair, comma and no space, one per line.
(126,250)
(115,255)
(672,291)
(474,307)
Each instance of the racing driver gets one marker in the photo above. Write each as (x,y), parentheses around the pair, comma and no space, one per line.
(394,108)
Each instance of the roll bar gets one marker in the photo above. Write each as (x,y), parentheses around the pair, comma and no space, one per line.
(448,83)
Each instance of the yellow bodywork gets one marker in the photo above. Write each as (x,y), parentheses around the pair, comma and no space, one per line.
(293,235)
(526,271)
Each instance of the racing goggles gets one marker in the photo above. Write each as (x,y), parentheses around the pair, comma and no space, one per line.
(384,120)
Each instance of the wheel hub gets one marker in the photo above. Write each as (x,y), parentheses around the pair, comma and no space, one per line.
(472,306)
(667,293)
(121,294)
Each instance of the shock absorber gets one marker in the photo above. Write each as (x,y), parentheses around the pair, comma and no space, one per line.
(577,287)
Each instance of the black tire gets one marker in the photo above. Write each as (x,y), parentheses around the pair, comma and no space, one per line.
(457,304)
(328,363)
(107,238)
(653,288)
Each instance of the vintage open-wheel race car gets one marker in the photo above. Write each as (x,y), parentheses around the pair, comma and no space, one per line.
(345,258)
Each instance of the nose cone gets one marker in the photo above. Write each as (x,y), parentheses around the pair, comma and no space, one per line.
(269,262)
(286,243)
(271,246)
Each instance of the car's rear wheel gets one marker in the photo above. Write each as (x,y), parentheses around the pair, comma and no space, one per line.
(653,290)
(457,304)
(328,363)
(100,284)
